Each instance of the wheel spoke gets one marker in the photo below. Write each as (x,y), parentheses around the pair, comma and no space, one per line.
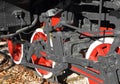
(16,51)
(108,47)
(37,35)
(97,49)
(100,51)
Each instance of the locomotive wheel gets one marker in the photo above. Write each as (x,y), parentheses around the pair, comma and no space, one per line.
(16,51)
(37,35)
(98,48)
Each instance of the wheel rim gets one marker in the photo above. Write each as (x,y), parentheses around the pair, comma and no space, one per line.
(37,35)
(99,48)
(16,51)
(103,43)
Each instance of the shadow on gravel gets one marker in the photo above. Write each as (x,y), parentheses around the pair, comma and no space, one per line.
(6,61)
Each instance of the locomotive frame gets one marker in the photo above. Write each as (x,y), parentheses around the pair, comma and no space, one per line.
(71,36)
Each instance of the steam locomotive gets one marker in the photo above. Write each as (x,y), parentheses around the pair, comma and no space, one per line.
(53,36)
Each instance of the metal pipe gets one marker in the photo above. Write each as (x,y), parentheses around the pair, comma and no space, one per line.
(21,30)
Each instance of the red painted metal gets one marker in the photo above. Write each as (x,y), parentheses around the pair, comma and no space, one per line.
(41,61)
(100,50)
(91,78)
(54,21)
(102,32)
(16,51)
(39,34)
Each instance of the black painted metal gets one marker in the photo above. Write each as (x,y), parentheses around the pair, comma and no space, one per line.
(70,44)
